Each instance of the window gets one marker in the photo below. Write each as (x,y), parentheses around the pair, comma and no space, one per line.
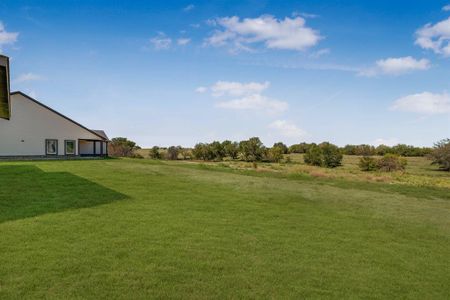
(51,147)
(69,147)
(4,93)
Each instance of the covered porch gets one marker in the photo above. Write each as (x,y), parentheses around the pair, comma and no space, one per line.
(92,147)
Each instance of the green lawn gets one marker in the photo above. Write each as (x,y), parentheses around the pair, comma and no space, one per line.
(139,229)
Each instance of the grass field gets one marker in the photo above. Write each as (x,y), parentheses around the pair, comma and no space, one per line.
(139,229)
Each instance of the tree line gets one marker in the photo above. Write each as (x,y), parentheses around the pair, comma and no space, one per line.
(324,154)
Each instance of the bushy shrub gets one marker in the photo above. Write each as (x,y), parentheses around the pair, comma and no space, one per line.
(365,150)
(275,154)
(201,151)
(172,152)
(300,148)
(217,150)
(154,153)
(282,146)
(231,149)
(122,147)
(251,149)
(441,154)
(391,162)
(324,155)
(186,153)
(367,163)
(314,156)
(332,156)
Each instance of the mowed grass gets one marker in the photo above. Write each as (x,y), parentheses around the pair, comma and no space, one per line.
(139,229)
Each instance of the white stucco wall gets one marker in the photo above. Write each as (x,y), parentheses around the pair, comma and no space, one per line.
(31,124)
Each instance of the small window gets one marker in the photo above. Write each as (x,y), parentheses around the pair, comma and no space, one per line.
(51,147)
(70,147)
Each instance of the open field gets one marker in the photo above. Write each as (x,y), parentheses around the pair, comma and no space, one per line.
(419,171)
(139,229)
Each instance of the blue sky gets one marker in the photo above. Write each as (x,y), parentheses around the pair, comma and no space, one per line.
(182,72)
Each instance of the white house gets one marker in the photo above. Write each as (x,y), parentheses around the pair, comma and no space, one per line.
(30,128)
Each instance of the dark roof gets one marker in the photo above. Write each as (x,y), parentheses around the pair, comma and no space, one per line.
(100,133)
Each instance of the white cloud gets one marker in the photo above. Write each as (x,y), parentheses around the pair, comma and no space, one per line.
(232,88)
(255,102)
(28,77)
(183,41)
(288,34)
(247,96)
(7,38)
(161,42)
(320,53)
(424,103)
(401,65)
(396,66)
(435,37)
(446,8)
(388,142)
(305,15)
(201,89)
(189,8)
(287,129)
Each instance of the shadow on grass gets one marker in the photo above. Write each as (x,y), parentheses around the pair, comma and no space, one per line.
(27,191)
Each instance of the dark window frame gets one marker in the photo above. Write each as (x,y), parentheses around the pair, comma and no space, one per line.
(74,147)
(7,95)
(57,144)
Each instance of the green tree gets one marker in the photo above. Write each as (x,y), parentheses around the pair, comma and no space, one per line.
(391,162)
(332,156)
(186,153)
(154,153)
(367,163)
(314,156)
(251,149)
(323,155)
(282,146)
(275,154)
(201,151)
(440,154)
(231,149)
(122,147)
(382,150)
(217,150)
(300,148)
(172,152)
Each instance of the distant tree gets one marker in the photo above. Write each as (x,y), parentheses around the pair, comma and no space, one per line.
(300,148)
(275,154)
(349,150)
(172,152)
(186,153)
(281,146)
(314,156)
(202,151)
(217,150)
(323,155)
(367,163)
(365,150)
(251,149)
(154,153)
(391,162)
(441,154)
(122,147)
(231,149)
(332,156)
(382,150)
